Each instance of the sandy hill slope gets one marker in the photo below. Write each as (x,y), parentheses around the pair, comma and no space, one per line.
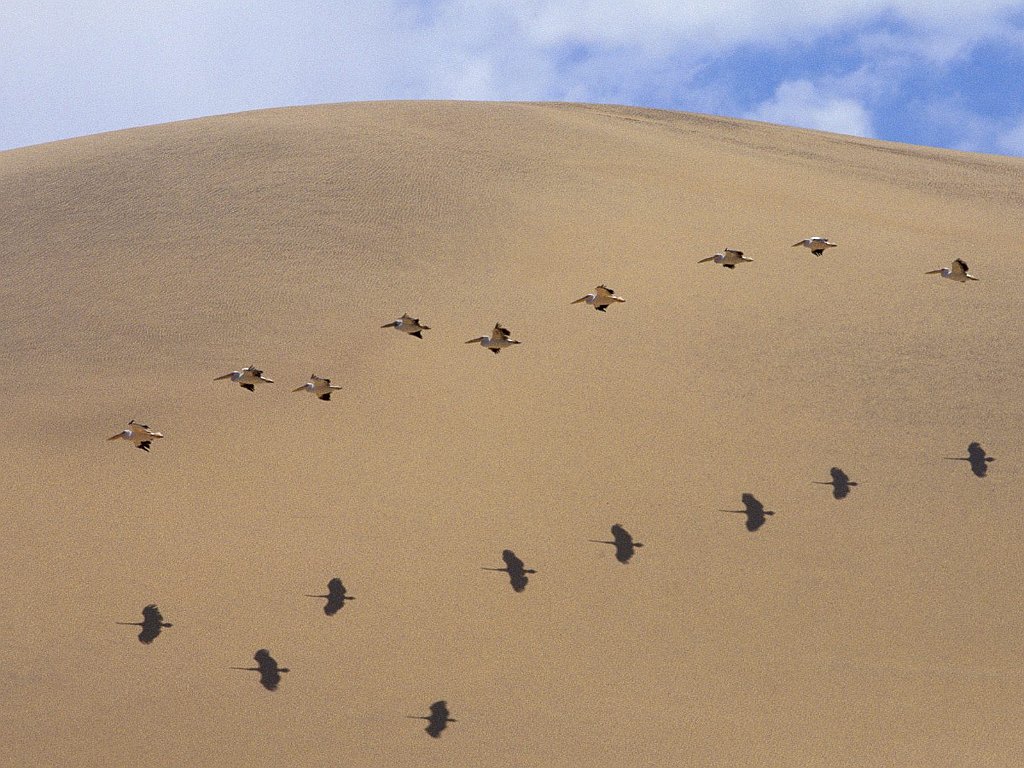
(882,629)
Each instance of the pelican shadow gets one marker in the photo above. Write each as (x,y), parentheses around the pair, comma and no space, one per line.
(152,622)
(336,596)
(437,720)
(270,672)
(840,483)
(977,458)
(515,570)
(625,547)
(753,509)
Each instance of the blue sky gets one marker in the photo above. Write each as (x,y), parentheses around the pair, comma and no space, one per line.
(939,73)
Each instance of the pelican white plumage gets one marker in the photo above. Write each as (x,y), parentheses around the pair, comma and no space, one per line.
(728,258)
(817,245)
(319,386)
(409,325)
(139,434)
(247,378)
(499,339)
(601,298)
(957,271)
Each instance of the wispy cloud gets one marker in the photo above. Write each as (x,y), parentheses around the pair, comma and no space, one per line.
(802,103)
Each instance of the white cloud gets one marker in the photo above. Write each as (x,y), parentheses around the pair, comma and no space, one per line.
(804,104)
(765,22)
(73,68)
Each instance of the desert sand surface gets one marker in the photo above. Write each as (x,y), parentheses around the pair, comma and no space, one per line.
(882,629)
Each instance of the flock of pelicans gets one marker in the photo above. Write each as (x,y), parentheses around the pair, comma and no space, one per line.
(142,437)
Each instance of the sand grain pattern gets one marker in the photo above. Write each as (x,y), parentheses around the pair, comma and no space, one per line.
(882,629)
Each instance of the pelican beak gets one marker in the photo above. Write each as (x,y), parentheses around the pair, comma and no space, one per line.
(389,325)
(933,272)
(578,300)
(115,437)
(225,376)
(709,258)
(299,389)
(477,340)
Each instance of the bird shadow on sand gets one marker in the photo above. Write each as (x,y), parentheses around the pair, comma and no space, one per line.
(152,623)
(977,458)
(336,596)
(753,509)
(437,720)
(516,570)
(840,482)
(625,546)
(270,672)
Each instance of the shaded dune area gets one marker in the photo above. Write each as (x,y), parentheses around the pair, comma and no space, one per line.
(878,621)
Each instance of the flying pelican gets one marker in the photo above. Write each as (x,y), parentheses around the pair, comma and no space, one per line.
(410,325)
(728,258)
(840,483)
(497,341)
(623,541)
(514,569)
(152,622)
(437,720)
(958,271)
(336,596)
(601,298)
(754,511)
(247,378)
(270,673)
(139,434)
(816,244)
(976,456)
(319,386)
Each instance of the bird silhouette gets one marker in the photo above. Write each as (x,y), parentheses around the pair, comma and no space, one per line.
(840,483)
(437,720)
(336,596)
(514,569)
(976,456)
(152,622)
(623,541)
(270,673)
(754,510)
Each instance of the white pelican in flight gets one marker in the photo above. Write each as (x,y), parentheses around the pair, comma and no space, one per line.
(729,258)
(498,340)
(601,298)
(410,325)
(139,434)
(958,271)
(816,244)
(247,378)
(319,386)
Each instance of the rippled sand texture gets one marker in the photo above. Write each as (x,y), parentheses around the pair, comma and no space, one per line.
(882,629)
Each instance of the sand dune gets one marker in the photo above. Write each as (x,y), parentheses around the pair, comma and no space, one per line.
(881,629)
